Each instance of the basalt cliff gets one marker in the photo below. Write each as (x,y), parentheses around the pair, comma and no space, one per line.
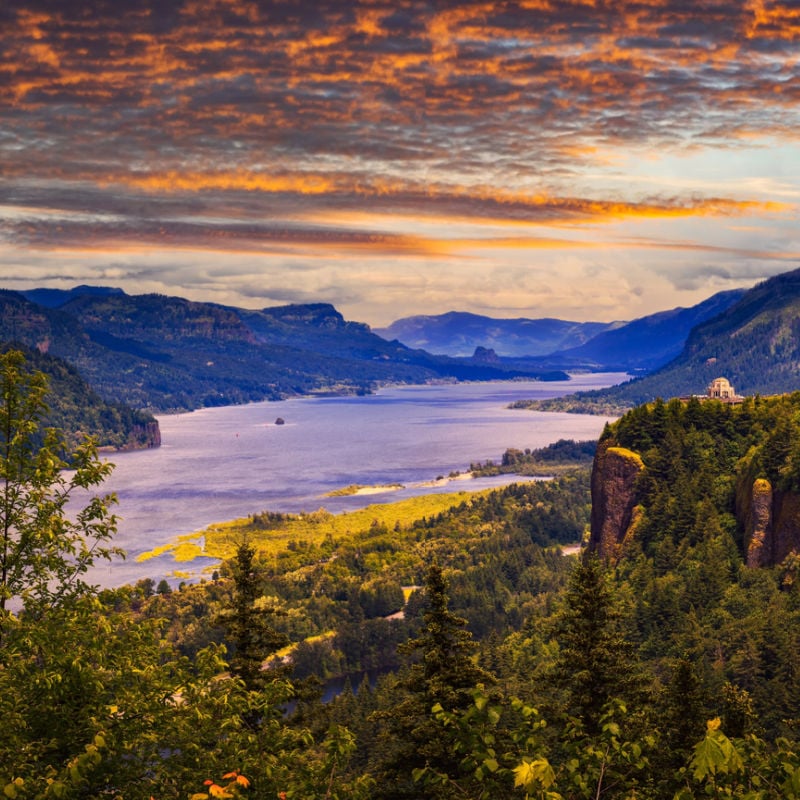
(667,476)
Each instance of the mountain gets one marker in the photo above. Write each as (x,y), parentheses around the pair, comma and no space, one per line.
(168,353)
(648,342)
(55,298)
(459,334)
(754,343)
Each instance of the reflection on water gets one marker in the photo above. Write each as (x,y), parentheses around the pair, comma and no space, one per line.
(222,463)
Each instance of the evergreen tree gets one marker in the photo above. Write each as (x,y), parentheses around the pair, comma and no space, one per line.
(596,662)
(247,627)
(442,678)
(445,671)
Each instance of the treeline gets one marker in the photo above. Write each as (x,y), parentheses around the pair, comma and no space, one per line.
(554,457)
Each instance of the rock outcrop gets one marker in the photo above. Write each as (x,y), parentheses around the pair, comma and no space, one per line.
(144,436)
(486,355)
(771,524)
(615,509)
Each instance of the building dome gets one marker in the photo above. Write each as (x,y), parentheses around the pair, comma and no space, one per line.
(721,389)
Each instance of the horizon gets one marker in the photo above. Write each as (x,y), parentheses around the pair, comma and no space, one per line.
(621,321)
(541,159)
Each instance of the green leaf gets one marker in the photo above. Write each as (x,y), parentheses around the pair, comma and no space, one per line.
(714,754)
(533,774)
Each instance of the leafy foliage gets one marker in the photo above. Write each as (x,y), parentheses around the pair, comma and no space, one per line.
(44,552)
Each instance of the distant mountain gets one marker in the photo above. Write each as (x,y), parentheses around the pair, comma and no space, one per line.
(168,353)
(755,344)
(55,298)
(459,334)
(648,342)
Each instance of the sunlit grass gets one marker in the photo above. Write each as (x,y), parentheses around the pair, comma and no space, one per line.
(310,529)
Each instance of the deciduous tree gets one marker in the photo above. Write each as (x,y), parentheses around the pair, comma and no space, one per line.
(45,551)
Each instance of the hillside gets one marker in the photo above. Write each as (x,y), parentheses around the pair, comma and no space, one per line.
(641,345)
(168,353)
(460,333)
(755,344)
(77,410)
(648,342)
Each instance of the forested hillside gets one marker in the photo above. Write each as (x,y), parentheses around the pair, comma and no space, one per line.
(755,344)
(75,408)
(648,342)
(168,353)
(475,658)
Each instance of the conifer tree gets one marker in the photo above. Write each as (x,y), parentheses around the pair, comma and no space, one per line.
(442,677)
(446,671)
(596,663)
(248,627)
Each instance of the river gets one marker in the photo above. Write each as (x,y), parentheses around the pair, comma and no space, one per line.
(223,463)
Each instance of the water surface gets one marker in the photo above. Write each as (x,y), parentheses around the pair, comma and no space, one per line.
(223,463)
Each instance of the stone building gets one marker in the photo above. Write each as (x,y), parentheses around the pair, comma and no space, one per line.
(721,389)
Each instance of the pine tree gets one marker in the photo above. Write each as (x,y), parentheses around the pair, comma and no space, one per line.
(442,677)
(596,663)
(446,671)
(247,627)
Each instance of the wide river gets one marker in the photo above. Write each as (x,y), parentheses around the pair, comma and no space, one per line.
(223,463)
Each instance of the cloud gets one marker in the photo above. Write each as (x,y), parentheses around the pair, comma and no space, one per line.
(323,133)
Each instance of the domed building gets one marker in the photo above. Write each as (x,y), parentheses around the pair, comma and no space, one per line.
(721,389)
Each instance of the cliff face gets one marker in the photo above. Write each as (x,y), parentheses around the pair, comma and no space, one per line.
(771,522)
(769,518)
(615,511)
(144,436)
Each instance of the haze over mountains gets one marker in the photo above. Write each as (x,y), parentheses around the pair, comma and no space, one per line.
(458,333)
(641,344)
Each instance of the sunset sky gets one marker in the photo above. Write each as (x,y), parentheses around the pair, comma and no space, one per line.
(583,159)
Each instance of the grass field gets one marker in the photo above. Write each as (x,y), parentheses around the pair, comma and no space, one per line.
(221,539)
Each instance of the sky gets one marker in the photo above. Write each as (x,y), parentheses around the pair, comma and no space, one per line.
(580,159)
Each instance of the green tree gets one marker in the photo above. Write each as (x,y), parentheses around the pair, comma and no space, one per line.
(441,679)
(44,552)
(446,672)
(247,625)
(596,663)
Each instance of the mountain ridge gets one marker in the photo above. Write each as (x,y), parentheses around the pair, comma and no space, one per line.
(754,343)
(650,341)
(458,333)
(172,354)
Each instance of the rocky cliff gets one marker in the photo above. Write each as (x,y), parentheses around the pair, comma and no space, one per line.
(771,521)
(681,473)
(144,436)
(615,507)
